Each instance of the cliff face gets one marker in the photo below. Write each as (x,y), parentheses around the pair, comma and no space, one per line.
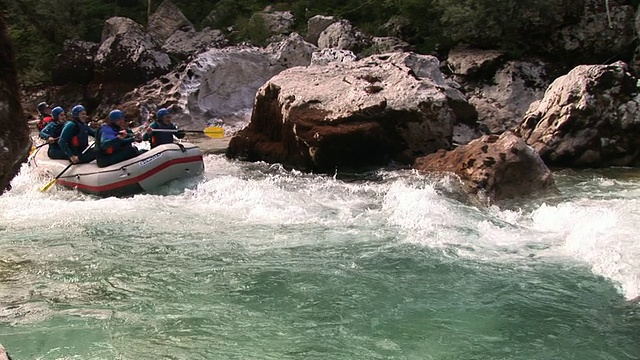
(14,131)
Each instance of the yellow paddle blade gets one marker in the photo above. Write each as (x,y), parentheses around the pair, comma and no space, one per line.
(214,132)
(50,184)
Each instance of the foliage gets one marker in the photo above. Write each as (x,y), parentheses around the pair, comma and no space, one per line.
(39,27)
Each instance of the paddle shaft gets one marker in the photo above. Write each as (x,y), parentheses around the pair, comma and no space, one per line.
(50,184)
(212,131)
(175,131)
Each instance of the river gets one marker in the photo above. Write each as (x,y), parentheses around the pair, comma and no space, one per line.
(252,261)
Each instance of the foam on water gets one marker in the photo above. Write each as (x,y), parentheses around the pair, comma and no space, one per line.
(597,228)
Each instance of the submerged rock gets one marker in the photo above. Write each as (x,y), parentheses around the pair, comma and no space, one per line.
(498,167)
(14,137)
(364,113)
(587,118)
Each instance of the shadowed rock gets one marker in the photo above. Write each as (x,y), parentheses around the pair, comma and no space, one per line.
(76,63)
(498,167)
(14,137)
(128,55)
(352,114)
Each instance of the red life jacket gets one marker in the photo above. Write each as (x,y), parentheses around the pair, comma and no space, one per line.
(43,123)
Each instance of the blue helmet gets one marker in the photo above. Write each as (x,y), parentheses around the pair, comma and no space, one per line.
(56,112)
(161,113)
(77,110)
(116,115)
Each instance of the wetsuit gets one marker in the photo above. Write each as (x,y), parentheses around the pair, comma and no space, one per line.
(159,138)
(112,149)
(74,139)
(53,129)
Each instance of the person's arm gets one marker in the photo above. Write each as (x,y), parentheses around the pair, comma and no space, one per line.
(91,131)
(46,132)
(109,138)
(68,131)
(179,134)
(147,135)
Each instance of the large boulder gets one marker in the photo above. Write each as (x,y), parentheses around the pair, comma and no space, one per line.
(587,118)
(472,63)
(636,55)
(342,35)
(220,83)
(277,22)
(495,167)
(352,114)
(316,25)
(128,54)
(186,44)
(166,20)
(14,137)
(500,90)
(502,102)
(76,63)
(291,51)
(605,30)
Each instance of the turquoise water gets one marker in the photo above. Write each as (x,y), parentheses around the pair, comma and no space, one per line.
(255,262)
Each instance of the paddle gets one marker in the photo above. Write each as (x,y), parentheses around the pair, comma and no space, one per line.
(214,132)
(50,184)
(39,146)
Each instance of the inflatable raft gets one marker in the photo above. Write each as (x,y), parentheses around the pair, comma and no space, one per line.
(143,173)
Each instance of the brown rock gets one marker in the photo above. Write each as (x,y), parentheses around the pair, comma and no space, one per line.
(352,114)
(14,138)
(3,353)
(498,167)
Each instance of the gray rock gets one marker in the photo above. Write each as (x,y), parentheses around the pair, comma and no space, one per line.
(327,56)
(466,61)
(220,83)
(587,118)
(185,44)
(291,51)
(352,114)
(494,167)
(389,44)
(593,38)
(166,20)
(342,35)
(128,54)
(502,103)
(278,22)
(316,25)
